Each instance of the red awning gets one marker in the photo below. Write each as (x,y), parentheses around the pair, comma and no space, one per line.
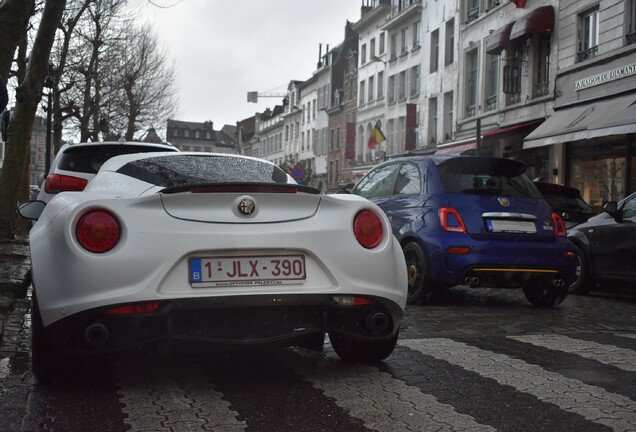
(497,41)
(539,21)
(471,143)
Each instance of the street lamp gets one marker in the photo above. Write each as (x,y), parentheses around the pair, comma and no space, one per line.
(48,82)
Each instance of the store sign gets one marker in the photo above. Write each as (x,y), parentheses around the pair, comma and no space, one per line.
(603,77)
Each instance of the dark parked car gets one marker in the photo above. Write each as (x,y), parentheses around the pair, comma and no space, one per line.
(478,221)
(567,202)
(606,246)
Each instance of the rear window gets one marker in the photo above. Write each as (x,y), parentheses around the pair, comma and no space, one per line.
(487,176)
(182,170)
(89,159)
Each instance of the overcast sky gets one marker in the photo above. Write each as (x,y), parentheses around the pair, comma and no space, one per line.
(225,48)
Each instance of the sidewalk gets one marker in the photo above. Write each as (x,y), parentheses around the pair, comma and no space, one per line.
(14,278)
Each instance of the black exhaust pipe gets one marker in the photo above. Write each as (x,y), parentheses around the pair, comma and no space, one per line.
(377,322)
(96,334)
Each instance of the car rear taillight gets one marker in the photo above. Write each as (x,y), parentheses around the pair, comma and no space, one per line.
(451,221)
(98,231)
(367,227)
(134,309)
(56,183)
(352,300)
(559,226)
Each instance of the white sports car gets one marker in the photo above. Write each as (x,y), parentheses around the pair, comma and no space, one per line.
(210,251)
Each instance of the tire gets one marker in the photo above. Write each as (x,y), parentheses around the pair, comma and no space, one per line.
(362,351)
(582,283)
(421,289)
(544,295)
(47,362)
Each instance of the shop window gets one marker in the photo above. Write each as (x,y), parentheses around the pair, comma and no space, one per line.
(599,178)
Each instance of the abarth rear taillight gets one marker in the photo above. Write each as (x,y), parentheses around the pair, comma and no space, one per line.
(56,183)
(367,227)
(451,221)
(559,226)
(98,231)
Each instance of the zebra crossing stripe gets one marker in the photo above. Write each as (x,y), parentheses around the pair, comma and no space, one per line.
(593,403)
(608,354)
(395,406)
(173,402)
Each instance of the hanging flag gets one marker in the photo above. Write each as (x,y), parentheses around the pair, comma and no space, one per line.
(376,137)
(520,3)
(411,126)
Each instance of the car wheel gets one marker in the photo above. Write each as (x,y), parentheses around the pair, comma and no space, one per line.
(362,351)
(581,284)
(46,360)
(544,295)
(421,289)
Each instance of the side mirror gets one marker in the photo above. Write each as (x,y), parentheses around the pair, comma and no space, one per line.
(611,208)
(31,209)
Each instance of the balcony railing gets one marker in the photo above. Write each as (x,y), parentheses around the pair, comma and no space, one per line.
(588,53)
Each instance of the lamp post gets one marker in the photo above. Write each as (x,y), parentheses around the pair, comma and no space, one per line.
(48,82)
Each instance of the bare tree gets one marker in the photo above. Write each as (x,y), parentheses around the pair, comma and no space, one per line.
(145,79)
(28,95)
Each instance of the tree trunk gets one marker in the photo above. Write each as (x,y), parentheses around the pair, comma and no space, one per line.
(28,95)
(14,19)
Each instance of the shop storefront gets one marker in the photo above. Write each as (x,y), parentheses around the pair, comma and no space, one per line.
(590,140)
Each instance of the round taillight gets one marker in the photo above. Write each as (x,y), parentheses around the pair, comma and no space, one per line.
(367,227)
(98,231)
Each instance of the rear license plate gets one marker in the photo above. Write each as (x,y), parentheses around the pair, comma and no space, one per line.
(497,225)
(247,270)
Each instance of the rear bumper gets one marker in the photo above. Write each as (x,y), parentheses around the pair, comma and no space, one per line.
(213,324)
(504,264)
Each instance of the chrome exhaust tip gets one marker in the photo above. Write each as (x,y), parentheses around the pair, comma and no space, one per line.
(96,334)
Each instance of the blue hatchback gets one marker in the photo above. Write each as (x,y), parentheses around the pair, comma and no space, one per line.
(478,221)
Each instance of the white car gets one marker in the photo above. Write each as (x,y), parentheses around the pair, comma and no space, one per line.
(76,164)
(210,251)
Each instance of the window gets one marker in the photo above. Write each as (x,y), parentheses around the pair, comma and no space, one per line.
(392,88)
(492,81)
(379,182)
(337,138)
(381,44)
(432,121)
(541,82)
(512,77)
(449,46)
(372,48)
(361,93)
(402,86)
(394,46)
(405,34)
(363,54)
(415,81)
(196,134)
(472,81)
(448,116)
(408,181)
(434,50)
(631,22)
(380,84)
(371,88)
(472,10)
(186,133)
(417,29)
(588,34)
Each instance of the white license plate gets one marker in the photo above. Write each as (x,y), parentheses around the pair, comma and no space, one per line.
(247,270)
(496,225)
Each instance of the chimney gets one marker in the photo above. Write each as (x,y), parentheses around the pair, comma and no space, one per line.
(319,56)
